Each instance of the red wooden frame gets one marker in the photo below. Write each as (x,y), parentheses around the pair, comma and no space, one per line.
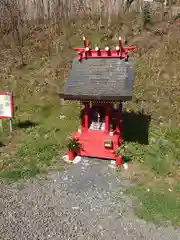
(92,141)
(87,52)
(11,105)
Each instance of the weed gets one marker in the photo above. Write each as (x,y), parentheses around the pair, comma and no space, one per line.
(39,134)
(157,94)
(158,205)
(40,146)
(146,14)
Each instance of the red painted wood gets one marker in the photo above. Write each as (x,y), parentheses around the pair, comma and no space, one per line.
(86,52)
(71,155)
(107,118)
(92,143)
(86,120)
(119,161)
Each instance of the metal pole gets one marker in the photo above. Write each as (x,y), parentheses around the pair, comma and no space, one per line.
(1,125)
(10,125)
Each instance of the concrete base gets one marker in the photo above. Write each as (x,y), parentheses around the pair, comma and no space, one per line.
(113,164)
(66,159)
(75,161)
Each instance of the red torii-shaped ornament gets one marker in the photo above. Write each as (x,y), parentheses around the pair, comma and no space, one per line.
(119,52)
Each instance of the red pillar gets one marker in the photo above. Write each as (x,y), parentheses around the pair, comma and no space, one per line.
(118,121)
(107,118)
(86,119)
(82,120)
(119,159)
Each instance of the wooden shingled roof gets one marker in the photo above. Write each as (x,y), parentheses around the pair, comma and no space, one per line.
(101,79)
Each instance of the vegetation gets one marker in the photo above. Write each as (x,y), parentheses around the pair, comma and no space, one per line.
(73,144)
(35,58)
(146,14)
(158,204)
(156,162)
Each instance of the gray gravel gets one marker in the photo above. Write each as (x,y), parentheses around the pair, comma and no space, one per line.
(84,202)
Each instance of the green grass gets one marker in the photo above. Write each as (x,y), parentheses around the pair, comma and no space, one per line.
(42,145)
(157,205)
(159,173)
(159,170)
(156,93)
(36,148)
(161,154)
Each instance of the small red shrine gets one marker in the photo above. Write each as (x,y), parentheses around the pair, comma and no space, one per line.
(101,79)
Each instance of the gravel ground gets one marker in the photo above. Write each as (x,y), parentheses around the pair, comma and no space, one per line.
(84,202)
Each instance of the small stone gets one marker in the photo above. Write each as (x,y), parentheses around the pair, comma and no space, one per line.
(61,117)
(77,160)
(75,208)
(125,165)
(113,162)
(112,166)
(65,178)
(66,159)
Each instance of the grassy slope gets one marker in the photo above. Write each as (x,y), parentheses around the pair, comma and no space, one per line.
(42,121)
(31,150)
(157,164)
(40,130)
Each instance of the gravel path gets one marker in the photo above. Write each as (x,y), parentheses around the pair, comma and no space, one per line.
(84,202)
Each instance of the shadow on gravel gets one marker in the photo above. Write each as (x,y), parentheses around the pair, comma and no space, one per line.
(136,127)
